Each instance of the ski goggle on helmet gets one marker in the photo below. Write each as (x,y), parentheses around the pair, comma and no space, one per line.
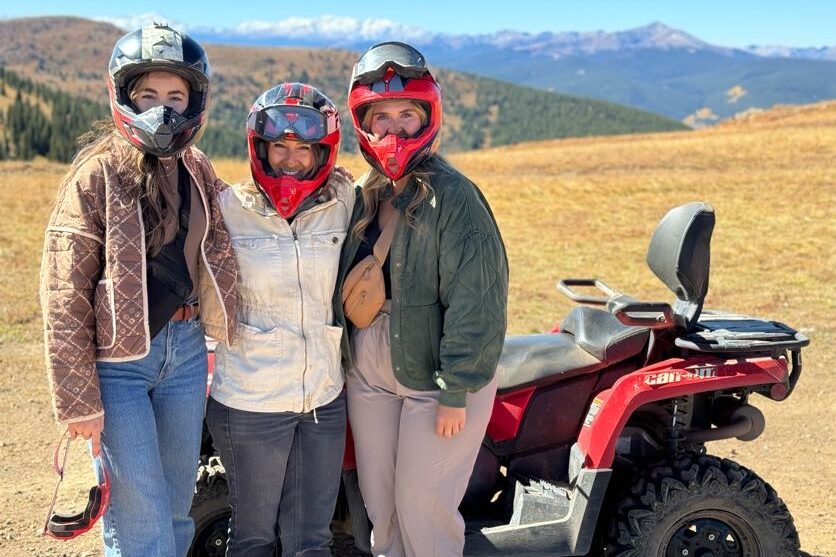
(299,112)
(66,526)
(387,71)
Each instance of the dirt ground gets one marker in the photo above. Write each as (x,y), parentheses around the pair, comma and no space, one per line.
(775,193)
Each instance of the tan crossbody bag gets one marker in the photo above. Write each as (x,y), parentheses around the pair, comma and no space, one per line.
(364,289)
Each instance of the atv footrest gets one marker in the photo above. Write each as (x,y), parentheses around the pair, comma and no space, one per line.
(548,520)
(538,502)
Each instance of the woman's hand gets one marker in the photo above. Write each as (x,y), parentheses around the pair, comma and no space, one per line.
(450,421)
(90,430)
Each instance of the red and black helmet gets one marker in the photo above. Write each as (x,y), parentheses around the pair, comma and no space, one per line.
(293,111)
(394,70)
(160,130)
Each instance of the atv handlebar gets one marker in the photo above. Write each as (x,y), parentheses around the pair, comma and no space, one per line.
(565,287)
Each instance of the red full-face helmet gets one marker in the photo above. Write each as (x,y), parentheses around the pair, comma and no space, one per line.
(387,71)
(161,130)
(292,111)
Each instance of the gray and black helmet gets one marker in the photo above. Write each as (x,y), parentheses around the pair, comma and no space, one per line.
(161,130)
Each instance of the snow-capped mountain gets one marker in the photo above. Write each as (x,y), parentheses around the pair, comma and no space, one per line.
(774,51)
(350,32)
(654,67)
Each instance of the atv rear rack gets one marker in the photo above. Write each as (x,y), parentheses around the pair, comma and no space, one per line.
(726,333)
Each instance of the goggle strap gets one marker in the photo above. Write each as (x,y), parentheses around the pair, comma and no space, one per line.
(60,471)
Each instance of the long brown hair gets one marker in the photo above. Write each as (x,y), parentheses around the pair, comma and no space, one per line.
(140,173)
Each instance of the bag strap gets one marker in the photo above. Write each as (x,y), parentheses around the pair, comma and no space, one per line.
(384,241)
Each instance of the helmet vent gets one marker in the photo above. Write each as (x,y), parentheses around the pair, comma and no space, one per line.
(163,136)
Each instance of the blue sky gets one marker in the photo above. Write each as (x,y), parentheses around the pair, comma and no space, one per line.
(727,23)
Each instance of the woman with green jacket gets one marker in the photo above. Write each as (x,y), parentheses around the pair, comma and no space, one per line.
(420,379)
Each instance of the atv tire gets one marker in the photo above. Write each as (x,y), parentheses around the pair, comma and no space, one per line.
(701,506)
(210,511)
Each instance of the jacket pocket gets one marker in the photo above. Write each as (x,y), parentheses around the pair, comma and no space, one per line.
(334,373)
(421,329)
(104,310)
(253,243)
(252,365)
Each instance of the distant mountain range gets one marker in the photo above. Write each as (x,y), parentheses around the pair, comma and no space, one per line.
(347,32)
(654,67)
(70,56)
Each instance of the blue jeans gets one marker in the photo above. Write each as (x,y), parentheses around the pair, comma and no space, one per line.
(283,471)
(151,443)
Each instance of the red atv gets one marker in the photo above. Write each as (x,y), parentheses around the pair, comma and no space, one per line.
(597,443)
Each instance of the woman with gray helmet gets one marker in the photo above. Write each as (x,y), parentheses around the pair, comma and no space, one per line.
(137,266)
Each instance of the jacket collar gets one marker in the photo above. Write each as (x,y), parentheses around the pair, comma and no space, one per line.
(252,200)
(403,199)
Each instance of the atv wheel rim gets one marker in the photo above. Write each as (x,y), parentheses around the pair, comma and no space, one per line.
(212,540)
(712,534)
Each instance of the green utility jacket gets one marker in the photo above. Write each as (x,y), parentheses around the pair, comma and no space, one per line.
(449,277)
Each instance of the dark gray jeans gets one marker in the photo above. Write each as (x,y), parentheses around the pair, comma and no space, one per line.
(283,470)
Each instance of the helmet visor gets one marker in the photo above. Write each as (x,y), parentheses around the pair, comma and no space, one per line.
(273,123)
(405,60)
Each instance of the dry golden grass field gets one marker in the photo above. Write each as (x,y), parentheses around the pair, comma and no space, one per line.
(582,208)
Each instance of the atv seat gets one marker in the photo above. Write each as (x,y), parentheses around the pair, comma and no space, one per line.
(590,339)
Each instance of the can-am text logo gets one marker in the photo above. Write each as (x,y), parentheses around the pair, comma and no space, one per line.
(665,377)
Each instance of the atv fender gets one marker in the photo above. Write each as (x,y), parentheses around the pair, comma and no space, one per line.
(671,378)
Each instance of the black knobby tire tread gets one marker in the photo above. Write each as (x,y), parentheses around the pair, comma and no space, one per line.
(663,487)
(210,499)
(211,483)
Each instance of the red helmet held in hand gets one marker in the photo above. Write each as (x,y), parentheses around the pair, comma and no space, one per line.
(395,71)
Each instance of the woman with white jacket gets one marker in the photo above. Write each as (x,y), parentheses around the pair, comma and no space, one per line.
(276,411)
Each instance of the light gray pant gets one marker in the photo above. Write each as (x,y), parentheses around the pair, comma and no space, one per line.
(412,480)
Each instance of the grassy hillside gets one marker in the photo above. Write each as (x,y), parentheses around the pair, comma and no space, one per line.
(71,54)
(575,207)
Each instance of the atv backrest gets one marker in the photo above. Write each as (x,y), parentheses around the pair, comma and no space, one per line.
(680,255)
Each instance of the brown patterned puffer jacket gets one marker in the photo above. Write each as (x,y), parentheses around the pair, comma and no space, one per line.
(93,291)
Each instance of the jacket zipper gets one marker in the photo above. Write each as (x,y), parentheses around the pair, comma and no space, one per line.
(305,402)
